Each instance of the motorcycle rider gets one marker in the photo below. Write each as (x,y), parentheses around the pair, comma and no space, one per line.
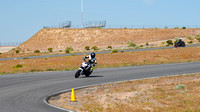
(180,40)
(91,60)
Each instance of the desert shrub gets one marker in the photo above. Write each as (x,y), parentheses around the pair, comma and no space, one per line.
(114,51)
(17,51)
(197,37)
(50,69)
(109,47)
(190,42)
(141,45)
(121,51)
(176,27)
(147,43)
(189,38)
(131,44)
(167,45)
(68,49)
(169,42)
(37,51)
(137,47)
(18,66)
(162,43)
(34,70)
(184,27)
(0,53)
(50,49)
(94,48)
(87,48)
(180,86)
(60,50)
(176,38)
(175,41)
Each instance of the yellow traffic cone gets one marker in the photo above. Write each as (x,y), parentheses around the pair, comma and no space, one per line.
(72,95)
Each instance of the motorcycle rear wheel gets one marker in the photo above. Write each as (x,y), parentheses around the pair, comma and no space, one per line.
(88,73)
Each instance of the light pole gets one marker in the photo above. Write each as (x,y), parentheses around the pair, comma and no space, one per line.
(82,13)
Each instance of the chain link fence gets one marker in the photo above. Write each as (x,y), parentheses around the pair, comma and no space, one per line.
(103,24)
(152,26)
(141,26)
(130,26)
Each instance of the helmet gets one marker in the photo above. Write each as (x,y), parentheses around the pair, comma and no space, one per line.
(93,54)
(181,38)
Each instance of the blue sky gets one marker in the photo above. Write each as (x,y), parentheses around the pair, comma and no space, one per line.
(21,19)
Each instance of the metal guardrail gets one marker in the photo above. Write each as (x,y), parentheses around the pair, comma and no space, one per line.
(95,24)
(66,24)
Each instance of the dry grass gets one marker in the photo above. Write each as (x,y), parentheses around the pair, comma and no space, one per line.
(152,95)
(104,60)
(12,54)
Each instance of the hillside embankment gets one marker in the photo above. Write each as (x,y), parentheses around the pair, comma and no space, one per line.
(59,39)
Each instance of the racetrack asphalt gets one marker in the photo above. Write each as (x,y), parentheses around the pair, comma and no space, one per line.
(102,52)
(26,92)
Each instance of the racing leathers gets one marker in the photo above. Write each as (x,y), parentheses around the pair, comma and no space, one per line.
(91,61)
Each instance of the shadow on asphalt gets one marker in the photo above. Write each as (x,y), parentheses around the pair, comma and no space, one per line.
(91,76)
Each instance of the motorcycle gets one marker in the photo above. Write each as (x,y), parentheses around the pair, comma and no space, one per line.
(85,69)
(179,44)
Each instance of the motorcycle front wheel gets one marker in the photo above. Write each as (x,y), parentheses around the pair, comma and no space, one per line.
(77,74)
(183,44)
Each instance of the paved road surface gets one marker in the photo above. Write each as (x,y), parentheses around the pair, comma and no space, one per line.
(25,92)
(60,55)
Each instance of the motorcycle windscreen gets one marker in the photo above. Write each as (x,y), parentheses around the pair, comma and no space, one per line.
(84,64)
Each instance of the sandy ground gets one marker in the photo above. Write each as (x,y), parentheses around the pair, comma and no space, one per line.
(163,94)
(6,48)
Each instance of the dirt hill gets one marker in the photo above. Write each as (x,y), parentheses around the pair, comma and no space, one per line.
(59,39)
